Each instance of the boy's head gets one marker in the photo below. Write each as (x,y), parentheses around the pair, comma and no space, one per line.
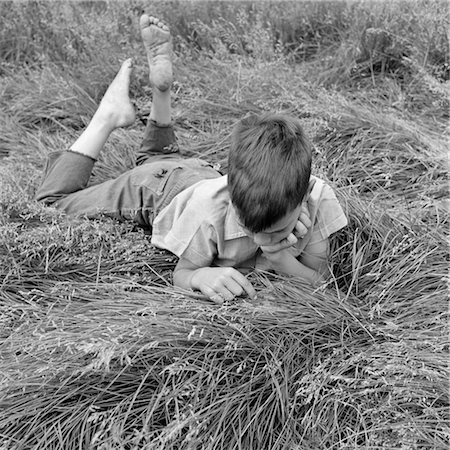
(269,168)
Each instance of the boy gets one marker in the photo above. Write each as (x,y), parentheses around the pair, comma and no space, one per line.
(260,215)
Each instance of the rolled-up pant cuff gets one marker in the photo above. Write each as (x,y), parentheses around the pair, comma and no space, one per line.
(65,172)
(158,139)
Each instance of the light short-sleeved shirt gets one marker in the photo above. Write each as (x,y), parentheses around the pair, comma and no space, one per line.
(200,224)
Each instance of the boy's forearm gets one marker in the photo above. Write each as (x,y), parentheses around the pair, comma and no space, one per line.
(287,264)
(313,276)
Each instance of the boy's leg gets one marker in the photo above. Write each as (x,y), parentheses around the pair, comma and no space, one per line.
(141,192)
(159,137)
(69,171)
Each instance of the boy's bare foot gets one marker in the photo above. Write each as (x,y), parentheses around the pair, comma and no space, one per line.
(158,43)
(116,108)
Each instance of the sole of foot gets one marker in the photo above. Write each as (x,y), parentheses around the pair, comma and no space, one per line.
(158,44)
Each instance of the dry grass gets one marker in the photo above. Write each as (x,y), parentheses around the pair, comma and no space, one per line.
(99,351)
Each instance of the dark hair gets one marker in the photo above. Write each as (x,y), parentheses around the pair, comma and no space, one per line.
(269,167)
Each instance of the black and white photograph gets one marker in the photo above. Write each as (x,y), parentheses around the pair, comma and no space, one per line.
(224,225)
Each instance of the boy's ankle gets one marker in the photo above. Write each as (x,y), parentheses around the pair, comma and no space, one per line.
(161,124)
(103,123)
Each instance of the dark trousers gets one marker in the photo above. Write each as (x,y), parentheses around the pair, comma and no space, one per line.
(138,194)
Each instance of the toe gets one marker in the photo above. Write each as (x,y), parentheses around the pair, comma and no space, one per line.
(144,21)
(147,21)
(163,26)
(128,63)
(124,74)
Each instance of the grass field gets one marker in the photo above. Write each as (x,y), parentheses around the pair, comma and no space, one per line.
(99,351)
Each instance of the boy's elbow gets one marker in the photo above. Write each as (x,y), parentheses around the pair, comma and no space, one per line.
(322,277)
(325,272)
(319,271)
(314,277)
(176,279)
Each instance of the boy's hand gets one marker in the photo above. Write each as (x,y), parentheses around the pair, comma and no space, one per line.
(303,223)
(221,283)
(280,246)
(304,220)
(281,261)
(300,230)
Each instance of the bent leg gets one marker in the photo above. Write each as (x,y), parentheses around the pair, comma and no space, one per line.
(65,172)
(115,111)
(159,137)
(69,171)
(140,193)
(134,195)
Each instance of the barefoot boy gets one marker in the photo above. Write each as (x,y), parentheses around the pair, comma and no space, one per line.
(269,212)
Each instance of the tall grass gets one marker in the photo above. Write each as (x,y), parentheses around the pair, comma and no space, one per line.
(32,32)
(99,351)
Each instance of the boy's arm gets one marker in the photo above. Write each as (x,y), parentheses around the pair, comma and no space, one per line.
(312,266)
(217,283)
(316,256)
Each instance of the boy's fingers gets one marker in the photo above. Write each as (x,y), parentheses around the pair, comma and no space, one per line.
(304,211)
(221,296)
(233,287)
(227,295)
(245,284)
(303,225)
(301,230)
(305,219)
(216,297)
(218,294)
(285,243)
(304,222)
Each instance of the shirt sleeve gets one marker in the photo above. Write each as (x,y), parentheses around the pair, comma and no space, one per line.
(330,216)
(202,247)
(189,239)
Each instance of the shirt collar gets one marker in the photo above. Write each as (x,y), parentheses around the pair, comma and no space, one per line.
(232,228)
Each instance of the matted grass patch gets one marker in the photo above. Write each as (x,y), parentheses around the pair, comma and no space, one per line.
(99,351)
